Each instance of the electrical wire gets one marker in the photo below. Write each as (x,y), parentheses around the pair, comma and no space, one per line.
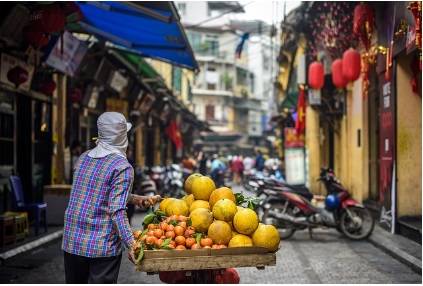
(236,39)
(218,16)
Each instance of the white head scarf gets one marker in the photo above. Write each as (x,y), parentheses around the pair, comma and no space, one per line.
(112,137)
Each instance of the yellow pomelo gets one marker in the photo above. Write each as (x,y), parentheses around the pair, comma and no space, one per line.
(199,204)
(266,235)
(240,208)
(164,203)
(201,219)
(234,233)
(177,207)
(189,199)
(188,182)
(221,193)
(224,209)
(202,187)
(240,240)
(220,232)
(245,221)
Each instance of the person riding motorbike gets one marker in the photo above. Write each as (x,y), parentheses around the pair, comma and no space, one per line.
(216,166)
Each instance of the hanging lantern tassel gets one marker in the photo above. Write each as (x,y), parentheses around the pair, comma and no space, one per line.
(365,70)
(364,23)
(415,70)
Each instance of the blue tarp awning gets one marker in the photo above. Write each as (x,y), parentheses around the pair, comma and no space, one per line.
(149,28)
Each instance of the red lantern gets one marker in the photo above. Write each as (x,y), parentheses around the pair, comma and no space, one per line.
(351,65)
(363,23)
(47,86)
(74,94)
(338,79)
(50,18)
(34,36)
(316,77)
(17,75)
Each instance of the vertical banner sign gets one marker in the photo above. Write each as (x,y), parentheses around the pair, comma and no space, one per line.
(295,166)
(387,149)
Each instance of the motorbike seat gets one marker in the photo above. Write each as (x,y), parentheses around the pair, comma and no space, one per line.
(299,190)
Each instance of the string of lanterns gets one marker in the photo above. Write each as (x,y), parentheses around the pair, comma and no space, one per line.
(348,67)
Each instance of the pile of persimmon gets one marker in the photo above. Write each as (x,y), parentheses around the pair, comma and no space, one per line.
(172,233)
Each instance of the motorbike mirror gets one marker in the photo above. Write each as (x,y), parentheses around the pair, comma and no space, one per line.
(253,184)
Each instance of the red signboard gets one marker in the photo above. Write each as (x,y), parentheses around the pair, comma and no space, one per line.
(387,149)
(292,139)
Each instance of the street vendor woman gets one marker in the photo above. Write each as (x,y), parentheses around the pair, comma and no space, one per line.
(96,227)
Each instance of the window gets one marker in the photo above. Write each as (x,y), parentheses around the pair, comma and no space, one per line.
(182,7)
(194,40)
(177,78)
(209,112)
(266,63)
(212,45)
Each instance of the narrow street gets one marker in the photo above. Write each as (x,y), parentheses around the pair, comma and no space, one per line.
(328,258)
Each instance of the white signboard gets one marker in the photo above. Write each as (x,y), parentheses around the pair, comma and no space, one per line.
(295,166)
(314,96)
(68,58)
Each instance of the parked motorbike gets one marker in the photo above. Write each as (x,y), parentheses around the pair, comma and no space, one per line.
(173,182)
(157,174)
(143,184)
(263,184)
(289,211)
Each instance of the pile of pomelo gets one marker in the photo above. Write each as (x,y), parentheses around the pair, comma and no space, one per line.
(207,217)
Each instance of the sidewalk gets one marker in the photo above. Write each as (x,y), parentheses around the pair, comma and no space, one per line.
(399,247)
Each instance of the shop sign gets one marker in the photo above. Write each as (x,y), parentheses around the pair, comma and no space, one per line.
(295,166)
(8,63)
(292,139)
(117,81)
(387,143)
(314,96)
(118,105)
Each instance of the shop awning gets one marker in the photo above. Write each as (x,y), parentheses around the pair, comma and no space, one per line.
(290,101)
(148,28)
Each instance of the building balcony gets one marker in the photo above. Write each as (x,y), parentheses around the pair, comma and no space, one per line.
(247,104)
(218,92)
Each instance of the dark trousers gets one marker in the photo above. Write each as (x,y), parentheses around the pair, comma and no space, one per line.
(83,270)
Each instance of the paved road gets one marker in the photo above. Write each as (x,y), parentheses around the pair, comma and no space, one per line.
(328,258)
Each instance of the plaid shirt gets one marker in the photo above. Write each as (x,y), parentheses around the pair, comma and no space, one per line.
(95,223)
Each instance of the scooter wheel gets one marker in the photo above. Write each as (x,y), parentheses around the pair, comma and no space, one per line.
(357,223)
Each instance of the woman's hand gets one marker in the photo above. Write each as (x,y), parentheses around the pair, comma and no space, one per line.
(131,255)
(145,202)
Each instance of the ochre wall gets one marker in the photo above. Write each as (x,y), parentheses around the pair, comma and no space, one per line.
(409,141)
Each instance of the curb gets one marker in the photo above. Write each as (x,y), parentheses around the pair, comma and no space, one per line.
(30,246)
(390,248)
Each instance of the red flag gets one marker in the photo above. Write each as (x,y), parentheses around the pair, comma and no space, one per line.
(172,131)
(301,116)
